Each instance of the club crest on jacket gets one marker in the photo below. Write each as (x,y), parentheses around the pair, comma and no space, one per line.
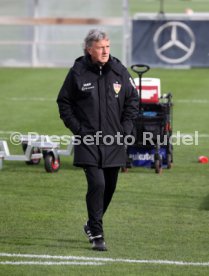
(116,87)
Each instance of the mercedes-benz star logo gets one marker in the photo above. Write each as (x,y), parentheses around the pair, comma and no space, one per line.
(171,38)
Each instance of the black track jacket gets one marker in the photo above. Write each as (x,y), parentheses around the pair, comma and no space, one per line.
(98,99)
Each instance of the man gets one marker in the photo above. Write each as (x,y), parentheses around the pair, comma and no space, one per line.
(98,103)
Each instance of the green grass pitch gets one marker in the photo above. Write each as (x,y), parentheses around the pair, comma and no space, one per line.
(151,217)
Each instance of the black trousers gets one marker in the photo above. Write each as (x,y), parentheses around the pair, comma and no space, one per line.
(101,186)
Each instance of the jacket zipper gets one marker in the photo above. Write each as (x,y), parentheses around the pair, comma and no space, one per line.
(100,70)
(100,73)
(100,119)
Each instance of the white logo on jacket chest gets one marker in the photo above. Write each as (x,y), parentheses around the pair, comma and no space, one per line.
(87,86)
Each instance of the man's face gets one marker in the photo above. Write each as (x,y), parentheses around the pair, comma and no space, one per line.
(100,51)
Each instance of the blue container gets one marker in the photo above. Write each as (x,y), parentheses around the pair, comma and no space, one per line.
(142,157)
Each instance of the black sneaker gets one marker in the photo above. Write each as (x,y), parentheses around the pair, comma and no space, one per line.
(87,231)
(99,243)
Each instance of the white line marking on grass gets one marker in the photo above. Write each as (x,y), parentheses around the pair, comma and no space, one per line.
(105,260)
(6,132)
(43,99)
(200,135)
(49,263)
(34,99)
(192,101)
(4,138)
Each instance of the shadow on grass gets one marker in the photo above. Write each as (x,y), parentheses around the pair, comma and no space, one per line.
(205,204)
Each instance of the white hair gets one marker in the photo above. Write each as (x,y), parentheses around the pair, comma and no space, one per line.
(93,35)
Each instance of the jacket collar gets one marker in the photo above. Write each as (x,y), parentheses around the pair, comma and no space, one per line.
(84,63)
